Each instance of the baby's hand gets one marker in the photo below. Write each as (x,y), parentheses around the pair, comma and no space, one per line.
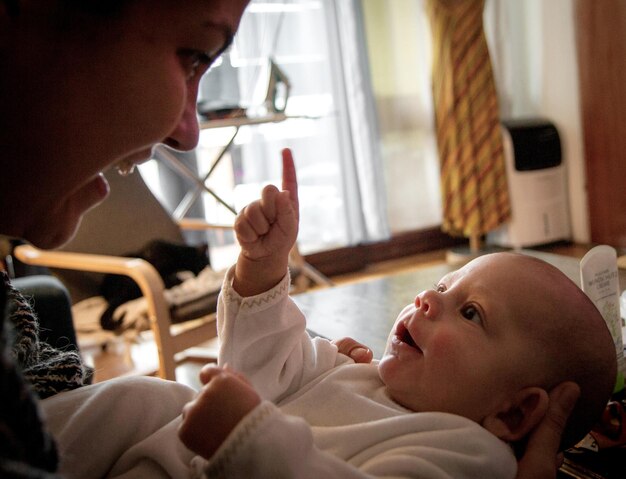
(226,398)
(353,349)
(269,226)
(267,230)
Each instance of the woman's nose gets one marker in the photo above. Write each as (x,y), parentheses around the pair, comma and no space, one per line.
(185,135)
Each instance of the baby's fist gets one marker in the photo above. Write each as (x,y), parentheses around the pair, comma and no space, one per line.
(225,399)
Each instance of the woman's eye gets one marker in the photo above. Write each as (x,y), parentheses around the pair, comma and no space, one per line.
(471,313)
(194,62)
(440,288)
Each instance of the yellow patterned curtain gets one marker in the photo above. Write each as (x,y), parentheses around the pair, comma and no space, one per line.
(473,176)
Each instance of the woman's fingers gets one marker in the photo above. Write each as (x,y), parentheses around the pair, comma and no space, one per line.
(541,458)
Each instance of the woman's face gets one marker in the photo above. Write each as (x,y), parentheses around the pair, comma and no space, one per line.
(80,97)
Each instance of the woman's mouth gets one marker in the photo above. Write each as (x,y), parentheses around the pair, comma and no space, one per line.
(125,167)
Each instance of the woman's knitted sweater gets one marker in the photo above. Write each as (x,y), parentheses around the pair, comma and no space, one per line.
(29,368)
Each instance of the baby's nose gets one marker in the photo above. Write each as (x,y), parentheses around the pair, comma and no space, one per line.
(425,304)
(419,304)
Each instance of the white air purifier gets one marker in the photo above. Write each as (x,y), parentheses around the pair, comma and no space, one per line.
(537,183)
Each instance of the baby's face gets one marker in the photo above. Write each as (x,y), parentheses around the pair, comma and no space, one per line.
(463,347)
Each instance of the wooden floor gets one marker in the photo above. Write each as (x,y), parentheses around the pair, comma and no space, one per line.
(123,358)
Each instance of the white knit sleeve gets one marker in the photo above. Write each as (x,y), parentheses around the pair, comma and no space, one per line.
(268,443)
(265,338)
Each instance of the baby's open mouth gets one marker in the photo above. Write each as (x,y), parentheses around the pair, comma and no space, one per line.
(404,335)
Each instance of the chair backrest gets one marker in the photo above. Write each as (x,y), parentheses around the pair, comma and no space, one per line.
(126,221)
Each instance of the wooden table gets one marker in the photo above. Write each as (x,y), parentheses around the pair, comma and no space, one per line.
(366,310)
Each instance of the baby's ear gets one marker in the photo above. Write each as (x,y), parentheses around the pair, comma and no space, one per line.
(517,417)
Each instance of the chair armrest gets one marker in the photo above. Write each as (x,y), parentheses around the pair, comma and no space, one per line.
(200,224)
(142,272)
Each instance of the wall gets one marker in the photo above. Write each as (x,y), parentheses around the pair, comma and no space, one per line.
(534,50)
(560,95)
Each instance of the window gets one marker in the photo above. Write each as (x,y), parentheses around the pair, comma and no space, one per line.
(348,197)
(399,51)
(295,36)
(363,145)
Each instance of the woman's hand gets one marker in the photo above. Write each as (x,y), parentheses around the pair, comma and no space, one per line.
(541,458)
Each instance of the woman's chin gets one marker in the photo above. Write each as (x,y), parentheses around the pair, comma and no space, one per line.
(53,234)
(57,227)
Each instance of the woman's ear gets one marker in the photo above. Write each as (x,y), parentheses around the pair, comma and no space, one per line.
(518,416)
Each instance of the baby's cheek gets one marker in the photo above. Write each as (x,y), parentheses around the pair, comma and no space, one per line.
(447,346)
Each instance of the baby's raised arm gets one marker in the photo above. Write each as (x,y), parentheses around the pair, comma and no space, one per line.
(267,230)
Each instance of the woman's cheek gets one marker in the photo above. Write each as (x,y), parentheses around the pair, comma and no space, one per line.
(154,108)
(165,114)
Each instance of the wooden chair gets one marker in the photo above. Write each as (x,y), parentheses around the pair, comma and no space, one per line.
(126,221)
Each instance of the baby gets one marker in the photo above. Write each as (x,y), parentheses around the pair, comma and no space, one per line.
(464,379)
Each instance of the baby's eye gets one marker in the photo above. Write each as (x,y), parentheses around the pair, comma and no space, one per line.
(440,288)
(471,313)
(194,62)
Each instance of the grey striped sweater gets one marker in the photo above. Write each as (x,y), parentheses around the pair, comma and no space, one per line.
(29,368)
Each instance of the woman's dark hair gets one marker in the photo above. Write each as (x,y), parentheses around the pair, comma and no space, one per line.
(101,7)
(13,6)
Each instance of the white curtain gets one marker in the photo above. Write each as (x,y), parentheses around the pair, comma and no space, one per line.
(514,49)
(363,169)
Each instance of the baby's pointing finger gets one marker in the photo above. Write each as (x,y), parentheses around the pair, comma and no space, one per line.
(290,180)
